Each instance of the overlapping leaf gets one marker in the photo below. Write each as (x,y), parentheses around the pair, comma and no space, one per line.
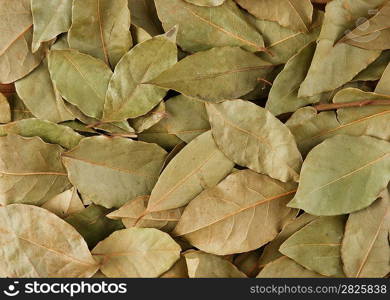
(16,58)
(124,169)
(41,97)
(294,14)
(120,254)
(198,166)
(31,170)
(317,246)
(215,75)
(135,97)
(343,61)
(252,137)
(204,265)
(106,35)
(365,249)
(50,18)
(242,213)
(342,175)
(372,34)
(37,243)
(202,28)
(69,66)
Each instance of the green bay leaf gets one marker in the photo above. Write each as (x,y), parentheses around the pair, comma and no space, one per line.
(92,75)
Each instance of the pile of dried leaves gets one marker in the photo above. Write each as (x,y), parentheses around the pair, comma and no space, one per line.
(194,138)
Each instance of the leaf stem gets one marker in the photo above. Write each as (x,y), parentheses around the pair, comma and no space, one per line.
(334,106)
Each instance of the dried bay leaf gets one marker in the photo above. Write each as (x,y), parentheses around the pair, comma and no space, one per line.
(369,120)
(179,270)
(283,96)
(317,246)
(106,35)
(137,252)
(206,2)
(5,110)
(124,169)
(202,28)
(186,117)
(144,122)
(17,60)
(205,265)
(248,263)
(40,96)
(197,166)
(92,75)
(31,170)
(139,35)
(131,215)
(144,15)
(135,97)
(37,243)
(19,111)
(242,213)
(269,146)
(93,225)
(271,251)
(49,132)
(16,19)
(314,128)
(360,163)
(120,128)
(365,250)
(215,75)
(283,42)
(343,61)
(372,34)
(375,70)
(310,128)
(160,135)
(50,18)
(64,204)
(294,14)
(284,267)
(384,82)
